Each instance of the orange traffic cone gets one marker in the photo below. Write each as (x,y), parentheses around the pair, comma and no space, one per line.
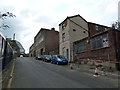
(96,74)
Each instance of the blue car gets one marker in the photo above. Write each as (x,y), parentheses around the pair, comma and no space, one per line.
(59,59)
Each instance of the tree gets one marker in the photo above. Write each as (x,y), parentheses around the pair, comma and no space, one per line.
(116,25)
(4,16)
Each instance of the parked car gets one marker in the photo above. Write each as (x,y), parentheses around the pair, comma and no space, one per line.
(59,59)
(47,58)
(40,57)
(21,55)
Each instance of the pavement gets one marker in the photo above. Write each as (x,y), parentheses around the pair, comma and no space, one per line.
(7,74)
(91,70)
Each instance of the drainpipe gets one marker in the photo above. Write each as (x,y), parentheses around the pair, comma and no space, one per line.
(117,63)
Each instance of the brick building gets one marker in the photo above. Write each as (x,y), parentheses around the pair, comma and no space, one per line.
(46,42)
(102,44)
(32,51)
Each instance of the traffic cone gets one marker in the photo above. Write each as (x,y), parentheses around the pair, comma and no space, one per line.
(96,74)
(71,67)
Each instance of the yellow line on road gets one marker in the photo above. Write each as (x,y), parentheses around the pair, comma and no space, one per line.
(11,75)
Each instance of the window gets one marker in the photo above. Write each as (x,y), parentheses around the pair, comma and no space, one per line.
(63,37)
(64,51)
(80,47)
(63,26)
(100,41)
(74,30)
(97,27)
(105,40)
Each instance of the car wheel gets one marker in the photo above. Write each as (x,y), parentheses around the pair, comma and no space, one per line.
(51,61)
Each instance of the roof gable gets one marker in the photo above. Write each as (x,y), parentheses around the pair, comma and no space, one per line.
(72,17)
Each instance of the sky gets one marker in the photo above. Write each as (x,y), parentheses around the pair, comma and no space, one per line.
(32,15)
(119,11)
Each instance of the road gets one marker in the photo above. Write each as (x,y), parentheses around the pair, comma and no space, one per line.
(31,73)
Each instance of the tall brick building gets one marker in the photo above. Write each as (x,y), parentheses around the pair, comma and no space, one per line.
(102,44)
(46,42)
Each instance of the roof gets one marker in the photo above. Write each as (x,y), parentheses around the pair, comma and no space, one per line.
(19,45)
(83,19)
(44,29)
(73,17)
(2,36)
(98,24)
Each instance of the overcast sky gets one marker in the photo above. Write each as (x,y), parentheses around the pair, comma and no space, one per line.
(31,15)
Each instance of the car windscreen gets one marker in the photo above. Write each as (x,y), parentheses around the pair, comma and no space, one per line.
(59,56)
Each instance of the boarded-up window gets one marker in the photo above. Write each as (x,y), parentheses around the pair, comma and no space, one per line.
(80,47)
(100,41)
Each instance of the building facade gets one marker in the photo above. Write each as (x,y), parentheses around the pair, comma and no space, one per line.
(31,51)
(70,30)
(17,47)
(46,42)
(103,44)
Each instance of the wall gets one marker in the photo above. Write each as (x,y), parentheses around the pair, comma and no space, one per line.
(46,41)
(73,32)
(66,43)
(78,34)
(52,41)
(105,54)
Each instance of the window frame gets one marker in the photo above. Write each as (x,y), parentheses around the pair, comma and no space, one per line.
(63,37)
(97,28)
(97,40)
(80,47)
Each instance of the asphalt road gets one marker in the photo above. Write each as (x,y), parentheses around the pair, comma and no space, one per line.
(31,73)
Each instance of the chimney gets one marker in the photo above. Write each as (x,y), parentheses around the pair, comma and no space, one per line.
(14,36)
(53,28)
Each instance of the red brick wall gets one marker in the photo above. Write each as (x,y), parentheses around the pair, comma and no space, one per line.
(52,41)
(107,53)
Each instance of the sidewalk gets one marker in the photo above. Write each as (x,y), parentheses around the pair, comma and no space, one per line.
(88,69)
(6,74)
